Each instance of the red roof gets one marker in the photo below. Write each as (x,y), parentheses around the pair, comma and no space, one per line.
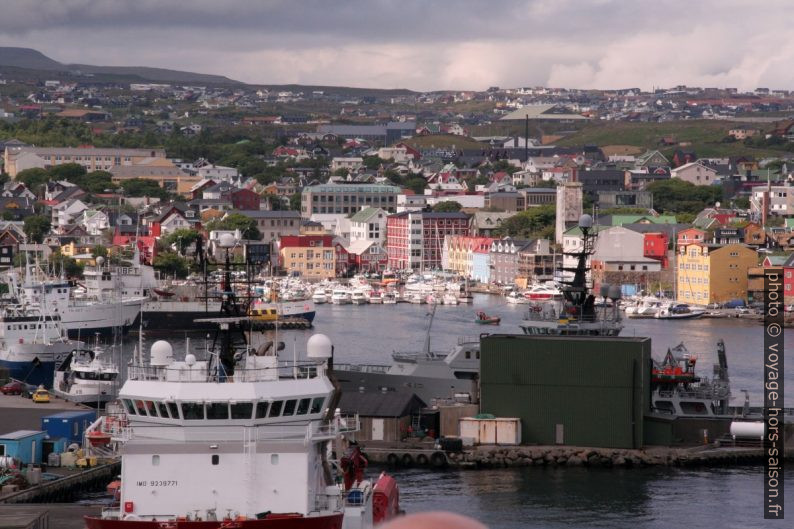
(304,241)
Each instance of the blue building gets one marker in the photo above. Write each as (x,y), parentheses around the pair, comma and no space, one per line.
(70,425)
(24,445)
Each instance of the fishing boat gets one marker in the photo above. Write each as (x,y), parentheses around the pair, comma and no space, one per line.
(85,377)
(485,319)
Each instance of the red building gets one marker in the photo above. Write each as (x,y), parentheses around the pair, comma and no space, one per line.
(655,247)
(689,236)
(415,239)
(245,199)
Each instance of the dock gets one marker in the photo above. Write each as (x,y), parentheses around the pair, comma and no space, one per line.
(52,516)
(67,488)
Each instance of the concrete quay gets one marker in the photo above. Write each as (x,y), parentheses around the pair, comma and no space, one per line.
(50,516)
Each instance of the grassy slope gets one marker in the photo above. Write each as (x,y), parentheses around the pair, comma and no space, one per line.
(704,135)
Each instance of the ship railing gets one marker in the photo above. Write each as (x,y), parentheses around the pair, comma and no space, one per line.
(325,502)
(463,340)
(184,373)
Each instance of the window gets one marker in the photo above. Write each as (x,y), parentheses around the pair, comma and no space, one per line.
(216,459)
(161,409)
(155,460)
(317,403)
(242,410)
(303,406)
(289,408)
(128,406)
(261,409)
(140,407)
(275,408)
(174,409)
(217,411)
(192,411)
(274,459)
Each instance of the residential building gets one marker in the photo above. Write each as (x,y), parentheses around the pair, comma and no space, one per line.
(458,253)
(481,263)
(350,164)
(538,196)
(695,173)
(17,159)
(486,223)
(781,200)
(708,274)
(597,180)
(625,199)
(689,236)
(367,256)
(505,201)
(161,170)
(273,225)
(344,198)
(312,256)
(620,258)
(536,263)
(415,239)
(369,224)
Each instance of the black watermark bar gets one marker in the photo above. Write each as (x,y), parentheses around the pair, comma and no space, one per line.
(773,394)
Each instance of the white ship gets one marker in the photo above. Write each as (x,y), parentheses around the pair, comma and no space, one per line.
(85,377)
(238,439)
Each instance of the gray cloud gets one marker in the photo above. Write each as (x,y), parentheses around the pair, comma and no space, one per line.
(454,44)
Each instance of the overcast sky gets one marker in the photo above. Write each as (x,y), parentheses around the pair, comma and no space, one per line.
(424,44)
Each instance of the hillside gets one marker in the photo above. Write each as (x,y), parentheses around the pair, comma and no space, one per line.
(27,59)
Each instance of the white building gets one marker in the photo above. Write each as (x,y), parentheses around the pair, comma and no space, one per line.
(369,224)
(352,164)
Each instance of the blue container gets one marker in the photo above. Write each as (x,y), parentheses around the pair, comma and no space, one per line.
(24,445)
(70,425)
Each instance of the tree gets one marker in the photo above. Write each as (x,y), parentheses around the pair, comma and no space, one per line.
(678,196)
(36,227)
(139,187)
(71,172)
(99,251)
(71,268)
(447,206)
(295,201)
(372,162)
(171,264)
(534,222)
(416,184)
(182,238)
(33,178)
(237,221)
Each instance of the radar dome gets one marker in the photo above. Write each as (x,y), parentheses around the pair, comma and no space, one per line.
(226,240)
(319,347)
(161,353)
(100,260)
(190,360)
(585,221)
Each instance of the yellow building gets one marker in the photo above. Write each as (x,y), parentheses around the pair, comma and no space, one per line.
(713,274)
(310,256)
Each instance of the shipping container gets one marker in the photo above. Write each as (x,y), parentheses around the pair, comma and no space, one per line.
(24,445)
(498,431)
(70,425)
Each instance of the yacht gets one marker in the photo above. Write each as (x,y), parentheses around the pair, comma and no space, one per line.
(542,292)
(319,297)
(86,378)
(389,297)
(358,297)
(449,298)
(376,297)
(678,311)
(341,297)
(237,438)
(516,298)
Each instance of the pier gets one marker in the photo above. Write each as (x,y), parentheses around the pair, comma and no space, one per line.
(67,488)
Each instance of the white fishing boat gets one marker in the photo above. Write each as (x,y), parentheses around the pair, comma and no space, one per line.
(319,297)
(86,377)
(390,298)
(358,297)
(341,297)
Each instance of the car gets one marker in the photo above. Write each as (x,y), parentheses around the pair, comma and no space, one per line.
(14,387)
(41,395)
(712,306)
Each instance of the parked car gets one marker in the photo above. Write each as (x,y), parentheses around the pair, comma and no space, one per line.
(712,306)
(41,395)
(13,388)
(742,310)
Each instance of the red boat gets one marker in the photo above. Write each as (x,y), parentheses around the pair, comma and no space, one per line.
(674,370)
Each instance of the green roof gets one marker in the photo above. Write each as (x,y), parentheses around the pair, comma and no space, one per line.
(620,220)
(790,223)
(364,215)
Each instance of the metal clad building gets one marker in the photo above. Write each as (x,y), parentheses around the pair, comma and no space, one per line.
(568,390)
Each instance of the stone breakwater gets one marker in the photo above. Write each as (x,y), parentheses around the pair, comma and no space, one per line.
(525,456)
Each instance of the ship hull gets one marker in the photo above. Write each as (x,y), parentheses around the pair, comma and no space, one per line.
(87,320)
(182,315)
(332,521)
(35,363)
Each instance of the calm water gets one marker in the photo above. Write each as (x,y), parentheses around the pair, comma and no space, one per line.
(562,497)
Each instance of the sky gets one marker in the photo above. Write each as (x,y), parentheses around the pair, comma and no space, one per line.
(424,44)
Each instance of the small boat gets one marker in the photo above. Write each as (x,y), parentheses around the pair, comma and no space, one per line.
(484,319)
(319,297)
(449,299)
(98,438)
(679,311)
(389,298)
(514,298)
(358,297)
(163,293)
(340,297)
(375,297)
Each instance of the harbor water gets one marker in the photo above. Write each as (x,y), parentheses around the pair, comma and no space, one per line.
(560,497)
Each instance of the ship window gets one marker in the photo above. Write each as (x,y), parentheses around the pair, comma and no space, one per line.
(128,406)
(216,459)
(468,355)
(192,411)
(217,411)
(317,404)
(150,408)
(664,405)
(140,407)
(161,409)
(261,410)
(274,459)
(155,460)
(174,409)
(303,406)
(242,410)
(275,408)
(289,408)
(694,408)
